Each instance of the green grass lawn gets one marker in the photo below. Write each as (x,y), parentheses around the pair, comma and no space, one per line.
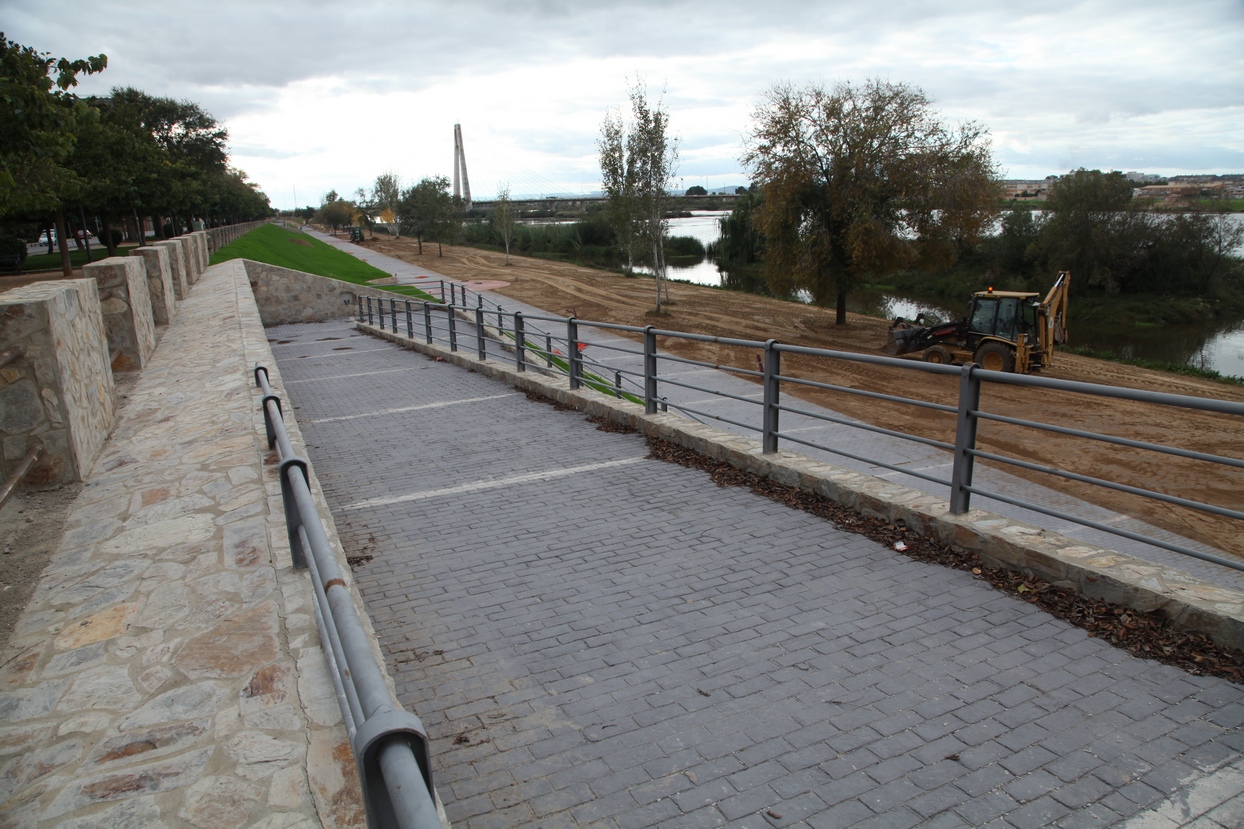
(51,262)
(284,248)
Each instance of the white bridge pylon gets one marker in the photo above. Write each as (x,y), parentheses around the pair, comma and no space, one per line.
(462,184)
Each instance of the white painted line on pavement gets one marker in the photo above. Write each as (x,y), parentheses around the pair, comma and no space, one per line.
(439,405)
(478,486)
(346,376)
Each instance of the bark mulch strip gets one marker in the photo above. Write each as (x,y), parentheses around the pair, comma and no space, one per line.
(1147,635)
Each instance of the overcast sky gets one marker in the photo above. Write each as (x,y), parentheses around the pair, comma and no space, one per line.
(319,96)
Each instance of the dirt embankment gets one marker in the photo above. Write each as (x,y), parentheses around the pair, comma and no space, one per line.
(596,295)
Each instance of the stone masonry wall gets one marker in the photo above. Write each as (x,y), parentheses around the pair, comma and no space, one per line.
(159,281)
(200,243)
(60,393)
(194,265)
(178,261)
(126,304)
(285,295)
(218,237)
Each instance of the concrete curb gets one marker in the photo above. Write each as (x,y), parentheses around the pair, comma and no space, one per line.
(1191,603)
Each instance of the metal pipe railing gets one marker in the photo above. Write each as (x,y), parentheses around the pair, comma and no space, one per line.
(10,355)
(390,745)
(582,370)
(18,474)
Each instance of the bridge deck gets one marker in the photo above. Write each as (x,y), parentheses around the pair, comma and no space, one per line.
(593,637)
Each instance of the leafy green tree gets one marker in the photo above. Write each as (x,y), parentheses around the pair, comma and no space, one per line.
(1012,249)
(429,211)
(696,190)
(191,144)
(387,197)
(39,120)
(740,243)
(336,212)
(1093,230)
(638,160)
(851,175)
(617,173)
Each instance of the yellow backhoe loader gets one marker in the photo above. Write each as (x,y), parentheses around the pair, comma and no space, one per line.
(1003,331)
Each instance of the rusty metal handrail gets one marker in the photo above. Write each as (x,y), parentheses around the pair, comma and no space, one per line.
(23,466)
(10,355)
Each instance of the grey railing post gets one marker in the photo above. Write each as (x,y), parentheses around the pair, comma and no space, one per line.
(410,323)
(479,333)
(500,319)
(572,352)
(520,351)
(773,390)
(650,370)
(370,319)
(479,300)
(427,322)
(442,290)
(359,297)
(453,329)
(965,440)
(548,350)
(393,313)
(617,384)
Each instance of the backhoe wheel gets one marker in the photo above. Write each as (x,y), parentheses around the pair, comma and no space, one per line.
(995,357)
(938,354)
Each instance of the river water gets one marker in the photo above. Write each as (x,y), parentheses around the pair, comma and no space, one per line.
(1220,347)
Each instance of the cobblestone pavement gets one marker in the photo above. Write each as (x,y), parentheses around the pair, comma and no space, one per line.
(594,638)
(167,671)
(744,408)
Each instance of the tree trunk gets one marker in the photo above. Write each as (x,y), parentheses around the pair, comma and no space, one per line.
(108,240)
(840,318)
(49,228)
(137,226)
(86,233)
(157,227)
(656,272)
(62,242)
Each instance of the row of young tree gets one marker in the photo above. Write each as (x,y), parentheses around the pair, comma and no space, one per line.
(107,163)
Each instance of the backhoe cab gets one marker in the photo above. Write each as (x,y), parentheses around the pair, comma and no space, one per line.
(1003,331)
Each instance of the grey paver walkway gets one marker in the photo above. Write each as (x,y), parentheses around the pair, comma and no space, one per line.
(727,412)
(594,638)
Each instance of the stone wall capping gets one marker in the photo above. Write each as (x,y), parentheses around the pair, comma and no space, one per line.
(1094,571)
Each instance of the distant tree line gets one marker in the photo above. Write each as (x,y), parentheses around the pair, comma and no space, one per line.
(426,210)
(75,164)
(1091,226)
(858,183)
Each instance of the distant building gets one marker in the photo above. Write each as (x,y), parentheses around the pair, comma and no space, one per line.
(1025,188)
